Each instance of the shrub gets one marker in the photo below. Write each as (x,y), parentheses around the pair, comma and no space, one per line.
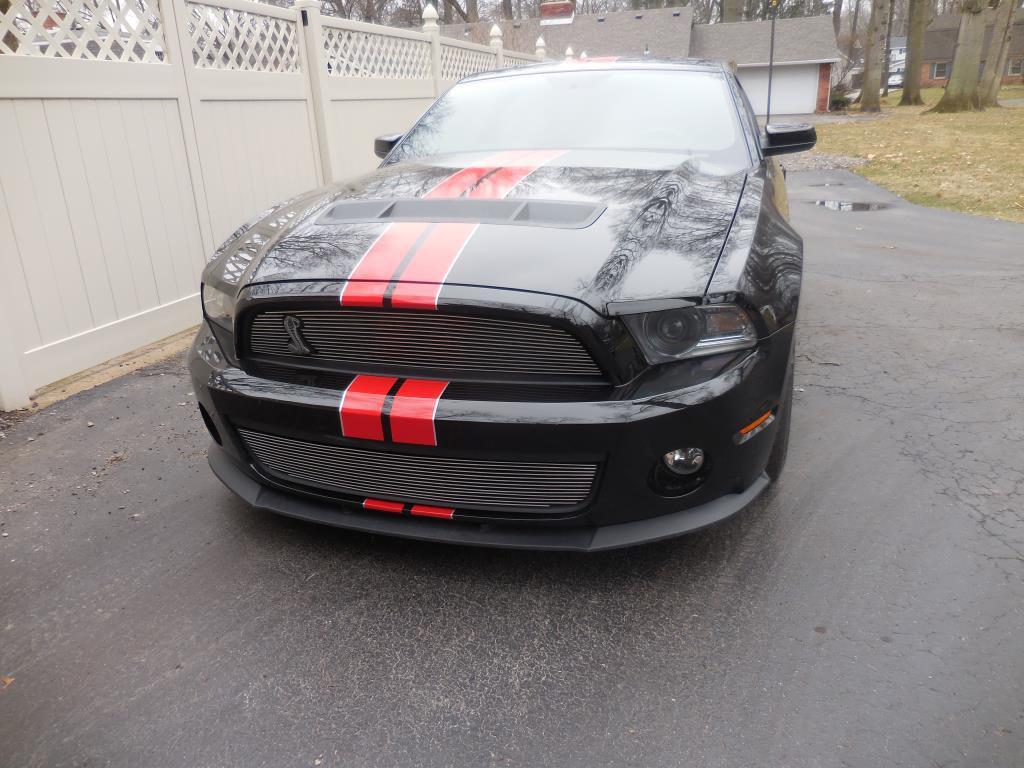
(838,98)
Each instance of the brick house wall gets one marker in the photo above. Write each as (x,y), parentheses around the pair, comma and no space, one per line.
(824,86)
(927,81)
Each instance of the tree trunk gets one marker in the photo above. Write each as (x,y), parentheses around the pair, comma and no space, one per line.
(732,10)
(995,61)
(919,18)
(888,50)
(961,94)
(837,17)
(506,9)
(472,14)
(853,28)
(452,5)
(874,50)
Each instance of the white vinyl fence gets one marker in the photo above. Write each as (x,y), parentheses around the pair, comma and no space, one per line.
(135,135)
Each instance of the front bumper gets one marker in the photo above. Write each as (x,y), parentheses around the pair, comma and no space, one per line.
(626,438)
(578,539)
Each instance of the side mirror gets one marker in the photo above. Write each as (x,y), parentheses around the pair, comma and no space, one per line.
(783,139)
(383,145)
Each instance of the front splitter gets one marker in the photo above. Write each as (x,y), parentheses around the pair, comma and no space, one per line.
(582,539)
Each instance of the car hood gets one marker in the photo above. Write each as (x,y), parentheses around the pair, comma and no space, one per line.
(598,227)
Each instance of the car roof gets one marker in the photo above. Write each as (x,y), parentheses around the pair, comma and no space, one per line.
(602,63)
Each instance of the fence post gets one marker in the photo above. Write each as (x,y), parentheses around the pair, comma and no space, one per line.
(499,52)
(430,27)
(541,49)
(14,390)
(175,20)
(316,74)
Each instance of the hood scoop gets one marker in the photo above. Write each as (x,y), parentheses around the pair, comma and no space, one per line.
(534,213)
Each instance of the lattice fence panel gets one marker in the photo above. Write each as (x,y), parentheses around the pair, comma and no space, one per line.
(223,38)
(512,61)
(352,53)
(103,30)
(458,62)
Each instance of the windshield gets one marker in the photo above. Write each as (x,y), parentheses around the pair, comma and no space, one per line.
(666,111)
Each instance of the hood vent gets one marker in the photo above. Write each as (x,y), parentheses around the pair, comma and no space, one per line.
(535,213)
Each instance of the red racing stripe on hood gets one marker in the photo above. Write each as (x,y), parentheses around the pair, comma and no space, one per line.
(362,404)
(421,281)
(369,281)
(457,184)
(413,411)
(498,184)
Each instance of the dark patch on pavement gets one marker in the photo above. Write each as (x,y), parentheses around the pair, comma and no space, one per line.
(846,206)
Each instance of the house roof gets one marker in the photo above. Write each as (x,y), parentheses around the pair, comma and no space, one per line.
(746,42)
(665,32)
(940,38)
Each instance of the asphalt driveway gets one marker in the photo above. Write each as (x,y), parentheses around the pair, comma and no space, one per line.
(868,612)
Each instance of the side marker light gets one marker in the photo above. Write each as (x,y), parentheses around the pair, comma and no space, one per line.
(757,426)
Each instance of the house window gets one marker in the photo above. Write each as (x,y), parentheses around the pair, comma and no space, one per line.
(1015,67)
(940,70)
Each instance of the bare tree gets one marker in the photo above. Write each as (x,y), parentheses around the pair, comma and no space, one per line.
(920,13)
(874,51)
(853,29)
(837,17)
(888,50)
(998,49)
(961,94)
(732,10)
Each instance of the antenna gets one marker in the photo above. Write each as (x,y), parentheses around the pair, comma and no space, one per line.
(774,6)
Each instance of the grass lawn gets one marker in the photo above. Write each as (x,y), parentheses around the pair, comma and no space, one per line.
(969,162)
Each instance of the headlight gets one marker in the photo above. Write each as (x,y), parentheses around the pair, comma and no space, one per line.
(219,307)
(677,334)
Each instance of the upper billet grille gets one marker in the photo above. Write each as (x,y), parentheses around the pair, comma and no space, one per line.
(434,342)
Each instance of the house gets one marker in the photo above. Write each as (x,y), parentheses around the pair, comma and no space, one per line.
(940,43)
(805,53)
(897,55)
(805,49)
(661,32)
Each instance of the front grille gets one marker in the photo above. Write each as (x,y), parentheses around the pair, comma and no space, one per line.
(445,482)
(439,343)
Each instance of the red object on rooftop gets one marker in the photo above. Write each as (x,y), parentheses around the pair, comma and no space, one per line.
(557,12)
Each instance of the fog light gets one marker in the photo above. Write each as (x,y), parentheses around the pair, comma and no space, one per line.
(684,461)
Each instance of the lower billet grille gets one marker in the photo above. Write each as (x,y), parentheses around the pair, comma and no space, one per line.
(446,482)
(425,340)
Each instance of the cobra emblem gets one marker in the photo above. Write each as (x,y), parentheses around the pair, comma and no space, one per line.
(296,344)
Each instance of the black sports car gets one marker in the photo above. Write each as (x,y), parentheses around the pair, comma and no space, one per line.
(559,315)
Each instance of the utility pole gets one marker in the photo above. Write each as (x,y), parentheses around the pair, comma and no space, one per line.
(774,8)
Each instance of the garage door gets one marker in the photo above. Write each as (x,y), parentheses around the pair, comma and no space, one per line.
(794,88)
